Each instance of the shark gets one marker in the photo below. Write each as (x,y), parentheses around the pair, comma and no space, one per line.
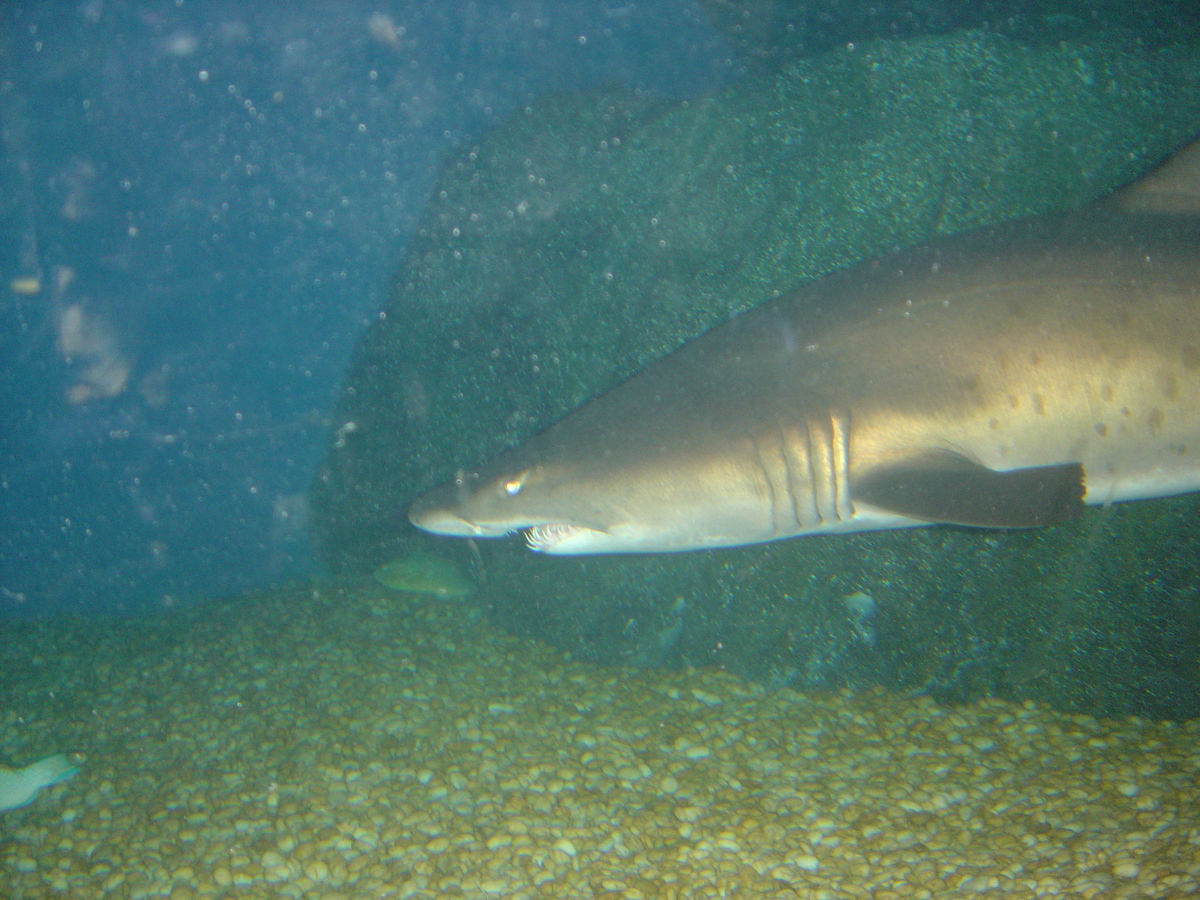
(1003,377)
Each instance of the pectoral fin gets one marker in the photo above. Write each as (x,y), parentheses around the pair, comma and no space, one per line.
(949,488)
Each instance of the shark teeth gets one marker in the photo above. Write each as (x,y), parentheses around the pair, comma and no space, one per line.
(542,537)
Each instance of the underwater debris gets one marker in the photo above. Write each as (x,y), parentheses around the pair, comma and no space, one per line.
(861,607)
(657,649)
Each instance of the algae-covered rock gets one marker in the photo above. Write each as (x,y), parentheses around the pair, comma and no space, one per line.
(593,233)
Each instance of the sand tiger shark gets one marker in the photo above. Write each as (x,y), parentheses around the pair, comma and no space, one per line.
(1002,377)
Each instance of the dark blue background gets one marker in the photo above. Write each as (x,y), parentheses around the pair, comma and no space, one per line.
(231,185)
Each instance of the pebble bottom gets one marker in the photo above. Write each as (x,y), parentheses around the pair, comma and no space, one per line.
(334,742)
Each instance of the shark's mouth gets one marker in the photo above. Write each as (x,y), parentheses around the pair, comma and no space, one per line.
(544,538)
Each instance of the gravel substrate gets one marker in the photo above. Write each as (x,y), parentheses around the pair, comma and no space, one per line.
(344,742)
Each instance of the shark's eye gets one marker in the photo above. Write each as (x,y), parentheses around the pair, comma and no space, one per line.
(513,486)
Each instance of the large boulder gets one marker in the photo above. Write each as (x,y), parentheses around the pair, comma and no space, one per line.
(592,233)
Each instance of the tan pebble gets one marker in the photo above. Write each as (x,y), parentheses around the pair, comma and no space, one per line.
(496,841)
(183,873)
(317,870)
(564,845)
(706,698)
(728,841)
(697,752)
(1126,869)
(25,864)
(437,845)
(222,877)
(365,839)
(337,872)
(424,776)
(271,858)
(669,784)
(807,863)
(688,813)
(493,886)
(1128,788)
(114,880)
(980,884)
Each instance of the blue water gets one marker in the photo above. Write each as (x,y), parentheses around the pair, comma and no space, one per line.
(201,207)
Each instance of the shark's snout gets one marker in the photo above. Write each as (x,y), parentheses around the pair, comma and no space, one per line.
(438,511)
(442,521)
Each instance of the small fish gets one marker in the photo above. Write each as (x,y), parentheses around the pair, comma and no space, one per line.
(421,573)
(26,285)
(18,787)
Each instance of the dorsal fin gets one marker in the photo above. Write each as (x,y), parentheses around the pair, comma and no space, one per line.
(1173,187)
